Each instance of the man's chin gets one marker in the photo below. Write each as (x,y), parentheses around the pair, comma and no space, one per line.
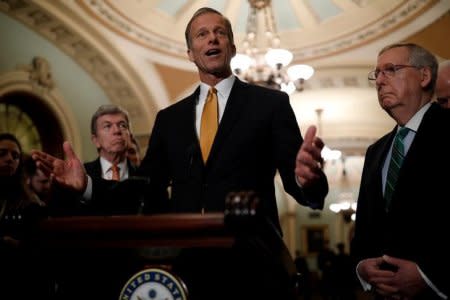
(388,103)
(116,151)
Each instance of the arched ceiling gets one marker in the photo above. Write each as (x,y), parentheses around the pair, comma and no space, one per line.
(136,50)
(309,28)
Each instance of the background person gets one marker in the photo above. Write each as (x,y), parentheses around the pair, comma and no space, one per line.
(301,264)
(38,182)
(344,274)
(443,84)
(110,133)
(325,262)
(398,257)
(18,205)
(19,212)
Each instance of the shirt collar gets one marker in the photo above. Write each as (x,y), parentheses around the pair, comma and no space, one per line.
(415,121)
(106,165)
(223,88)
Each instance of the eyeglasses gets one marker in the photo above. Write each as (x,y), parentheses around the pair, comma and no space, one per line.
(388,71)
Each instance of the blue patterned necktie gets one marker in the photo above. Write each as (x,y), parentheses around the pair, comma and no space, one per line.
(398,154)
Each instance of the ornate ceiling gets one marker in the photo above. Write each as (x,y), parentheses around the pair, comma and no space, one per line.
(311,29)
(135,50)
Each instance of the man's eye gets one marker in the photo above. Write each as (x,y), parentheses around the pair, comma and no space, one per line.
(390,69)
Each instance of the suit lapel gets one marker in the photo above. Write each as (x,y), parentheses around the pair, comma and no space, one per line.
(190,129)
(233,111)
(422,135)
(97,169)
(420,148)
(376,161)
(420,145)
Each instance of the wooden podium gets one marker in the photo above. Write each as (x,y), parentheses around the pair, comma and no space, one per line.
(109,257)
(165,230)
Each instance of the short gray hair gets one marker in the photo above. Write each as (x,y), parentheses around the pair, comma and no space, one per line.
(108,109)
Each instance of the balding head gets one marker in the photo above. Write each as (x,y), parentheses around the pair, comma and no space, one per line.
(443,84)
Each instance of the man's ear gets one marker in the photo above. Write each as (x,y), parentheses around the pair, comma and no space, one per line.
(190,55)
(95,141)
(426,76)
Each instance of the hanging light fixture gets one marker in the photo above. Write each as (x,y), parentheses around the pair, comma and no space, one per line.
(263,62)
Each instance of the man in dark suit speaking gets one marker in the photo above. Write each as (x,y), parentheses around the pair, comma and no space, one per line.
(201,158)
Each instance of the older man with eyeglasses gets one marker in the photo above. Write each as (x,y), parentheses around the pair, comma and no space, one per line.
(404,192)
(443,84)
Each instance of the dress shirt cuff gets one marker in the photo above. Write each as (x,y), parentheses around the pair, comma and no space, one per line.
(365,285)
(311,197)
(431,285)
(87,195)
(298,181)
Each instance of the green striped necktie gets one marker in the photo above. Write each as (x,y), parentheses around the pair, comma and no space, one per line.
(398,154)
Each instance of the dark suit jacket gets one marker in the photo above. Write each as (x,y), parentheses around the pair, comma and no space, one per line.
(418,214)
(257,135)
(110,197)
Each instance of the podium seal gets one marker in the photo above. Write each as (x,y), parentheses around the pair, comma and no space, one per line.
(152,284)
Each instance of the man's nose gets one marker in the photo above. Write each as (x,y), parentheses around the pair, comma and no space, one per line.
(213,37)
(9,156)
(380,78)
(117,128)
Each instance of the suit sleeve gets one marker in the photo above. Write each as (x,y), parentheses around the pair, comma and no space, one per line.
(287,141)
(154,166)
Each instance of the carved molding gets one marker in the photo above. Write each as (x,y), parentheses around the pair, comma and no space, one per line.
(24,79)
(405,13)
(79,49)
(113,18)
(40,74)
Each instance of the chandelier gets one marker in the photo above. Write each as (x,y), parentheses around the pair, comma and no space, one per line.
(263,62)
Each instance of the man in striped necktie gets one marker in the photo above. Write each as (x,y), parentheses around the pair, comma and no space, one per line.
(404,189)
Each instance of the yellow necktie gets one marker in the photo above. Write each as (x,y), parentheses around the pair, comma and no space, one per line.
(209,123)
(115,172)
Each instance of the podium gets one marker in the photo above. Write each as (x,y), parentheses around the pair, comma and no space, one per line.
(152,257)
(134,231)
